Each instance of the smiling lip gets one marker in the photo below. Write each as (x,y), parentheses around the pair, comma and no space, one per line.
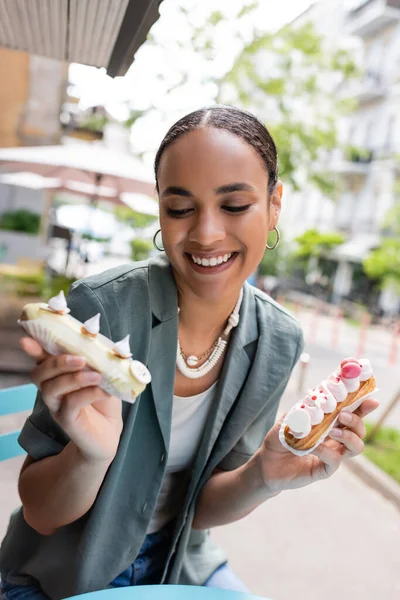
(210,269)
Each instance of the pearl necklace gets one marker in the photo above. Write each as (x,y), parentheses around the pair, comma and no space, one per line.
(217,351)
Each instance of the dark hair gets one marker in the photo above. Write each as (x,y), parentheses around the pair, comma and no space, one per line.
(237,121)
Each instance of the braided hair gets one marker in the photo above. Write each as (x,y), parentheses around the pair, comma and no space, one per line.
(235,120)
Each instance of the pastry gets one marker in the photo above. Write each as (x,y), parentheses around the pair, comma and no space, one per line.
(309,422)
(60,333)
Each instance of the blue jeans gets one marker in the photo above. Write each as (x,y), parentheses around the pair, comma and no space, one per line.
(146,570)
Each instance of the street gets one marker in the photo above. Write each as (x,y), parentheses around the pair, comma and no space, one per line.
(336,539)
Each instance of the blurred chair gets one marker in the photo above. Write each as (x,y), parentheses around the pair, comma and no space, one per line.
(14,400)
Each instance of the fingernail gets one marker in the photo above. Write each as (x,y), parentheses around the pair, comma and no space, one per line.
(345,417)
(336,432)
(92,376)
(75,361)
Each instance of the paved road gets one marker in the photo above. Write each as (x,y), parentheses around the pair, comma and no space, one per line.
(334,540)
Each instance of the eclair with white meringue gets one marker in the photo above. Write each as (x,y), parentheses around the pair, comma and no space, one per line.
(309,422)
(60,333)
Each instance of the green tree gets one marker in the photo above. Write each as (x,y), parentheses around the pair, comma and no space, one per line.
(275,262)
(133,219)
(313,243)
(140,249)
(290,78)
(383,263)
(21,220)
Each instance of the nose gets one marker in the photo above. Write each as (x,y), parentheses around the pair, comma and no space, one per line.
(207,229)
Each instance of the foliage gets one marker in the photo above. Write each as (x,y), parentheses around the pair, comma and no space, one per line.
(21,220)
(357,154)
(133,219)
(53,285)
(140,249)
(289,78)
(94,238)
(384,451)
(134,115)
(275,262)
(37,283)
(384,262)
(94,122)
(315,243)
(293,97)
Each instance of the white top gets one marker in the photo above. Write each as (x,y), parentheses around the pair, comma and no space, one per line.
(189,416)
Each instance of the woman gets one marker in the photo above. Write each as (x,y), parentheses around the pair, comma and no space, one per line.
(118,495)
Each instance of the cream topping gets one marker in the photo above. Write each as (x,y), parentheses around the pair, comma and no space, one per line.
(366,369)
(314,409)
(335,385)
(140,372)
(325,397)
(299,422)
(122,347)
(58,303)
(92,325)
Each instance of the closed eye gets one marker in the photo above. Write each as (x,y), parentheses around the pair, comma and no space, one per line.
(236,209)
(181,212)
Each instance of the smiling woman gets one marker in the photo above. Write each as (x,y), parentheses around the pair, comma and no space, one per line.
(119,495)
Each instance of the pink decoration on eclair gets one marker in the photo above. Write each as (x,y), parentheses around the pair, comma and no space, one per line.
(336,386)
(350,370)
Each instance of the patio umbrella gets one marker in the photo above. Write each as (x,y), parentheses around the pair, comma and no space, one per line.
(141,203)
(82,164)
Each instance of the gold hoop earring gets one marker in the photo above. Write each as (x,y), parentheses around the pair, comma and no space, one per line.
(278,237)
(156,246)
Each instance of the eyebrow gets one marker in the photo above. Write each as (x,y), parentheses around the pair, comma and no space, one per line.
(223,189)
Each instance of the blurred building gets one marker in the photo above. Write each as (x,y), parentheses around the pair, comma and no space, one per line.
(367,166)
(31,100)
(38,40)
(370,170)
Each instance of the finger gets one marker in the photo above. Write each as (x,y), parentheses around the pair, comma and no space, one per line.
(33,349)
(353,422)
(55,366)
(367,407)
(55,389)
(330,453)
(73,403)
(352,443)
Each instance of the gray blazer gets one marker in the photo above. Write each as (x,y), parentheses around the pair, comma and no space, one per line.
(141,299)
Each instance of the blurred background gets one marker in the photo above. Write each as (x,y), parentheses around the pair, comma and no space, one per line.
(83,109)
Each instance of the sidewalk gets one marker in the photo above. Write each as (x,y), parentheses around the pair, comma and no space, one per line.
(336,539)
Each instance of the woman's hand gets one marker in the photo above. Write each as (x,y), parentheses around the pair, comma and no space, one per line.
(90,417)
(282,470)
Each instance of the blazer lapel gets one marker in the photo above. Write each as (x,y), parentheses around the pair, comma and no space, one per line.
(233,376)
(162,362)
(163,344)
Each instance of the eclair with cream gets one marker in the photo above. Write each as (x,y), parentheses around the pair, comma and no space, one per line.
(308,423)
(59,333)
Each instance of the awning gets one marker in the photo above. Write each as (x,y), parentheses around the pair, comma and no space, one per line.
(102,33)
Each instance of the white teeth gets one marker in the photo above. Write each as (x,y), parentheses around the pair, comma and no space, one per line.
(211,262)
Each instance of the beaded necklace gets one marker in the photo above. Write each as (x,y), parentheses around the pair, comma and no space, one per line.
(187,364)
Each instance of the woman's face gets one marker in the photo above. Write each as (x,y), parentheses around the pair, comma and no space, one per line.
(215,212)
